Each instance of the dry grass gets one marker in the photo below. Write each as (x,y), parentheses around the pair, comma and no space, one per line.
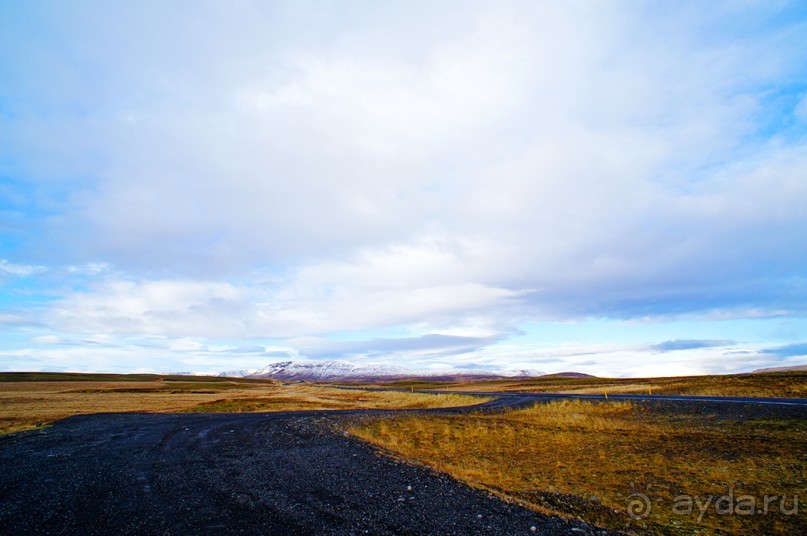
(584,459)
(769,385)
(305,397)
(28,404)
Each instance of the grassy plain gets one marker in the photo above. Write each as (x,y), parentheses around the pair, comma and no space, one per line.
(768,385)
(584,459)
(28,400)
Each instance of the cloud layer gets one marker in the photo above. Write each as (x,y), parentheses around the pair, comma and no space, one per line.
(270,171)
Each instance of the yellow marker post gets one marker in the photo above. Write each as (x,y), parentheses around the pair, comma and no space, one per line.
(606,392)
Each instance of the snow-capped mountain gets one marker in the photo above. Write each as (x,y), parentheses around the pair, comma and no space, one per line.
(238,373)
(341,370)
(518,373)
(325,370)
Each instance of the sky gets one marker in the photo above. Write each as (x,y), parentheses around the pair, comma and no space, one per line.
(611,187)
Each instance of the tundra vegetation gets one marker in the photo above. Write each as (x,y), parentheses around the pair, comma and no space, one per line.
(765,385)
(600,461)
(28,400)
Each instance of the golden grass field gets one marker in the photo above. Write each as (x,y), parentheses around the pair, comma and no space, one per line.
(27,404)
(768,385)
(584,459)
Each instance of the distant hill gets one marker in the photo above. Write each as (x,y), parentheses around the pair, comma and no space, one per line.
(568,375)
(797,368)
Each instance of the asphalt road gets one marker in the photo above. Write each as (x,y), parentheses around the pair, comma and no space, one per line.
(534,397)
(268,473)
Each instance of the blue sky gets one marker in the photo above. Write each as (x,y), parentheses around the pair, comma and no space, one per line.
(618,188)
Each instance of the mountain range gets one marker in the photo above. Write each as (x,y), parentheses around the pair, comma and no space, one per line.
(344,370)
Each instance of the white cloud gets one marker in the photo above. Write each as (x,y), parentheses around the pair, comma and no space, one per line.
(20,270)
(90,268)
(47,339)
(176,308)
(620,360)
(16,320)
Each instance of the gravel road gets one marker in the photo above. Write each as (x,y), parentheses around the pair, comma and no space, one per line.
(270,473)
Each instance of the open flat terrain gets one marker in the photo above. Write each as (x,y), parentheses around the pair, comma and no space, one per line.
(217,455)
(31,400)
(766,385)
